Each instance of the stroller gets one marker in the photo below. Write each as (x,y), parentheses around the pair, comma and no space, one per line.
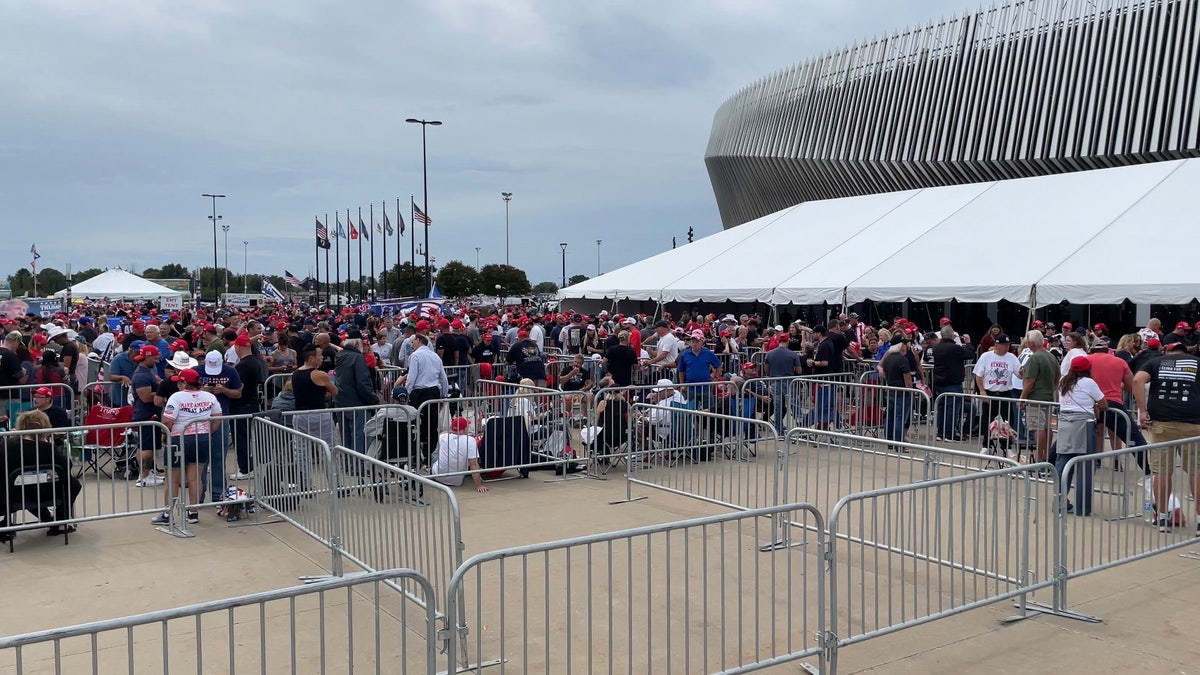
(392,437)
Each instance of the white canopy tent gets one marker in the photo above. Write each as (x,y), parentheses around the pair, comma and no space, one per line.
(120,285)
(1093,237)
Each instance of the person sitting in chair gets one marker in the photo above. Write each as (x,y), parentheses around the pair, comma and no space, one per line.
(456,453)
(44,401)
(34,453)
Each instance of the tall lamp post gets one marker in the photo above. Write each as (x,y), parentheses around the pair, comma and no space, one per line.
(214,218)
(598,242)
(425,182)
(225,229)
(507,197)
(564,250)
(245,266)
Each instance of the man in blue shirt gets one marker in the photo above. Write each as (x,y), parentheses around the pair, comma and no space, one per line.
(698,364)
(120,372)
(144,382)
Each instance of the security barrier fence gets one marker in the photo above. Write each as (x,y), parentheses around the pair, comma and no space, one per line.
(355,623)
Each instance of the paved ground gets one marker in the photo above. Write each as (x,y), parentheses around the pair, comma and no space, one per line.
(122,567)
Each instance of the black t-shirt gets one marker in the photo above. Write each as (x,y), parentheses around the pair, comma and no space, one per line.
(59,418)
(253,371)
(837,364)
(1174,388)
(574,383)
(328,359)
(895,367)
(166,388)
(949,360)
(621,360)
(528,359)
(487,350)
(828,352)
(10,369)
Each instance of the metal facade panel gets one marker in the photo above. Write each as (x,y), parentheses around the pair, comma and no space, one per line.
(1034,87)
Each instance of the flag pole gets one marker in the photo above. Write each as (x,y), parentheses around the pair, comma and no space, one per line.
(317,255)
(399,240)
(327,302)
(412,242)
(349,271)
(383,211)
(371,223)
(337,257)
(361,293)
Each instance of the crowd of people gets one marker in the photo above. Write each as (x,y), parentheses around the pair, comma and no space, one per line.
(189,368)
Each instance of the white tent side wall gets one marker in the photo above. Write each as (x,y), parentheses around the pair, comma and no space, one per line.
(119,285)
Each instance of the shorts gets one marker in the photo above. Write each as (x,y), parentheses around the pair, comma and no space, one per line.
(1163,461)
(1037,417)
(195,449)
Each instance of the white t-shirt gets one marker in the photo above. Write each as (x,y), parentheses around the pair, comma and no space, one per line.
(671,346)
(538,335)
(383,353)
(1065,366)
(453,453)
(187,406)
(103,342)
(997,371)
(1082,397)
(231,356)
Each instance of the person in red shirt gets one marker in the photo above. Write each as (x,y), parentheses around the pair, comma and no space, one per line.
(1112,375)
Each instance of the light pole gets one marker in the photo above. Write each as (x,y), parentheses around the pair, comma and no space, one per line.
(225,229)
(507,197)
(245,266)
(598,242)
(425,182)
(476,258)
(214,218)
(564,250)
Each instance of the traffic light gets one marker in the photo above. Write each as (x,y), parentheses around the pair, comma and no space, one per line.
(690,233)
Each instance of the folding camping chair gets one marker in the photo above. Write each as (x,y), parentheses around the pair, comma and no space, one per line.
(506,442)
(610,439)
(109,443)
(37,490)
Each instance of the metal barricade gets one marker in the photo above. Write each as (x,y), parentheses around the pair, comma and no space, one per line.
(62,475)
(293,478)
(463,378)
(674,598)
(349,624)
(522,432)
(835,403)
(957,543)
(821,467)
(1097,523)
(1015,432)
(19,397)
(724,459)
(273,385)
(391,518)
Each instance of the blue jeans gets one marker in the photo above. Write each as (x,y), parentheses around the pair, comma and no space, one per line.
(1083,482)
(895,418)
(215,481)
(949,411)
(352,423)
(779,404)
(825,408)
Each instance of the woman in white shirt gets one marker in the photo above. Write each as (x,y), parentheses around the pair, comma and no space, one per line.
(189,414)
(1080,400)
(457,453)
(1076,346)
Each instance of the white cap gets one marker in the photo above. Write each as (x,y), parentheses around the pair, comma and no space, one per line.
(661,385)
(213,363)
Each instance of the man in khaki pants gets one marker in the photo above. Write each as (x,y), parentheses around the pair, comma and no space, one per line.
(1172,413)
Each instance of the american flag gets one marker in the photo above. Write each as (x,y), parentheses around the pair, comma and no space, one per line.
(419,215)
(387,224)
(291,278)
(322,235)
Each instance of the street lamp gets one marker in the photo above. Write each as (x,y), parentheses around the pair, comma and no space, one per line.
(225,229)
(507,197)
(564,250)
(598,242)
(425,180)
(214,218)
(476,258)
(245,266)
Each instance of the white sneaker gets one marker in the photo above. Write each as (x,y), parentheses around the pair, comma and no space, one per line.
(151,480)
(241,476)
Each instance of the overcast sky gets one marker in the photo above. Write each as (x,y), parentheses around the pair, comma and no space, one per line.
(118,114)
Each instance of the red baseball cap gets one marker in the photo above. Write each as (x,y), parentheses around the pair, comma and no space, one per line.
(145,352)
(139,324)
(456,324)
(1182,324)
(187,375)
(946,320)
(243,340)
(179,346)
(43,391)
(1153,343)
(444,323)
(422,326)
(1099,326)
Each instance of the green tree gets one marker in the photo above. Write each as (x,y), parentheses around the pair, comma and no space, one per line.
(578,278)
(21,282)
(511,280)
(457,280)
(50,281)
(545,288)
(405,281)
(86,274)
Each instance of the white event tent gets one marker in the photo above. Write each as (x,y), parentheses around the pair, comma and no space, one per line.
(1091,237)
(120,285)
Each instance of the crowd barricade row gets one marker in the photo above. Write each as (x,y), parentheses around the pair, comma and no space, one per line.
(1002,425)
(272,386)
(299,629)
(838,403)
(65,476)
(961,542)
(681,597)
(18,398)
